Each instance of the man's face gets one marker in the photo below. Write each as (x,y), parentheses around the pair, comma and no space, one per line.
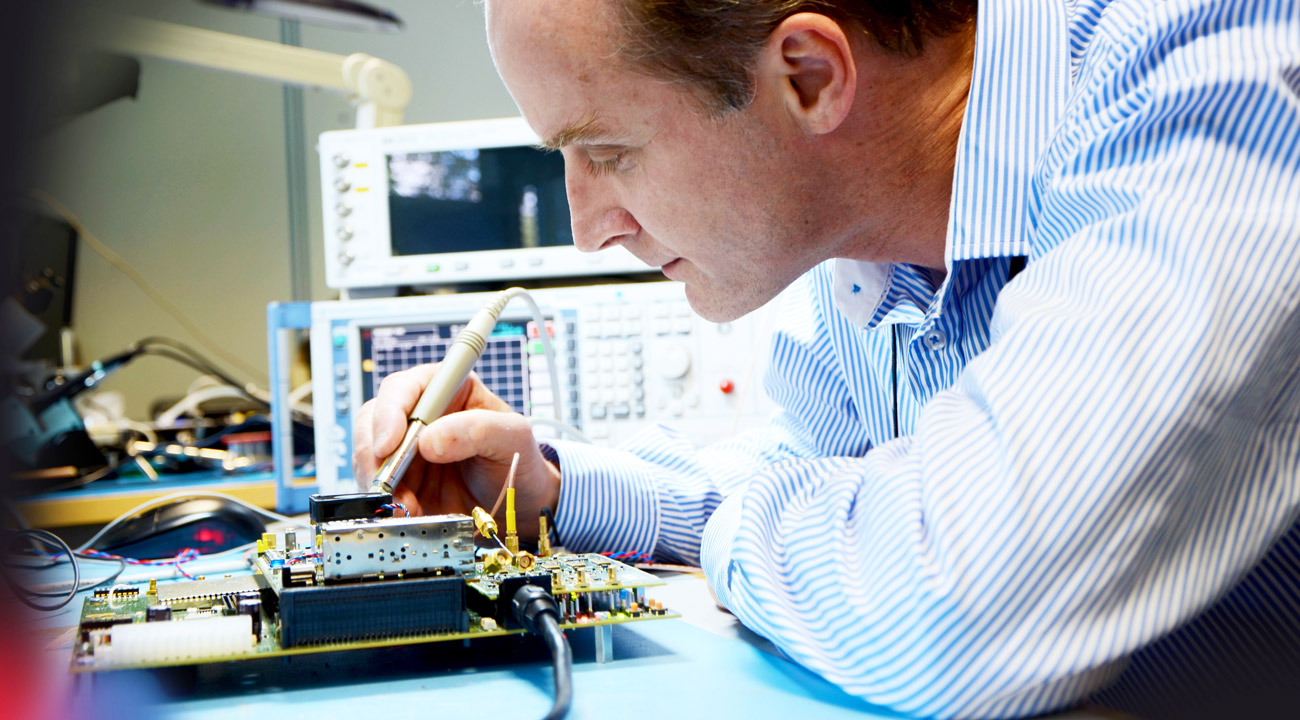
(713,202)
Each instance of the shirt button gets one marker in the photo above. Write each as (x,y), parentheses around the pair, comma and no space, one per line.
(936,340)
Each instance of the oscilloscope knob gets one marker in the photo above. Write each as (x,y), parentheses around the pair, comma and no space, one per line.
(674,363)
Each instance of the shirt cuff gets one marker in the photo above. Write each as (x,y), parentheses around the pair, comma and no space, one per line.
(715,546)
(607,500)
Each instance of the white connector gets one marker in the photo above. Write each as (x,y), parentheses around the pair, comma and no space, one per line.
(177,641)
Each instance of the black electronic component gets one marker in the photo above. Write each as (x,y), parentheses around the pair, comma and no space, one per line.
(250,604)
(87,625)
(333,613)
(351,506)
(103,593)
(498,607)
(298,575)
(157,613)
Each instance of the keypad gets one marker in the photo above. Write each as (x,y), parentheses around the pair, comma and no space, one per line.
(613,358)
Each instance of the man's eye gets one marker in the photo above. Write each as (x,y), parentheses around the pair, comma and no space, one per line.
(604,167)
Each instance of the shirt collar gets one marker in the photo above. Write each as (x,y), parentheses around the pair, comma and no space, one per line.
(1019,82)
(872,294)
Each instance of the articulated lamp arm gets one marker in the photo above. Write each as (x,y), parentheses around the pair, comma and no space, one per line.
(379,89)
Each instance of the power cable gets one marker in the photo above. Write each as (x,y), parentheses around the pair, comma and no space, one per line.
(536,610)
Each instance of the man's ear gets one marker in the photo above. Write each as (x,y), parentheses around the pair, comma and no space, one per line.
(808,62)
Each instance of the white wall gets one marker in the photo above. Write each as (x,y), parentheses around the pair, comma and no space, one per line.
(188,182)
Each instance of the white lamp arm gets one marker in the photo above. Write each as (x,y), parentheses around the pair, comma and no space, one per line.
(380,90)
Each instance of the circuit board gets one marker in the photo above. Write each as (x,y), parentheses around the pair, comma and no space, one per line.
(351,583)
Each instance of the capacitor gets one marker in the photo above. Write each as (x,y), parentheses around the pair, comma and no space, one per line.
(252,607)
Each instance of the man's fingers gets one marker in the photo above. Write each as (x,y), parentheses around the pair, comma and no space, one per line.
(389,423)
(364,464)
(400,392)
(475,433)
(397,396)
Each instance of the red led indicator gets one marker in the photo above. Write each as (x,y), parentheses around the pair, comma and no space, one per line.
(210,536)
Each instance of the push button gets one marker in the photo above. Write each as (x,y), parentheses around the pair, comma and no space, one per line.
(936,340)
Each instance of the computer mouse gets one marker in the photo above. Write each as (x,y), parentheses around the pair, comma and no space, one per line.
(206,524)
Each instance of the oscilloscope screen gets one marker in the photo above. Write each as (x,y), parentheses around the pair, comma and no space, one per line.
(503,366)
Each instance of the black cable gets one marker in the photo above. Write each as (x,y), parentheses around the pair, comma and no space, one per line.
(82,381)
(550,631)
(189,352)
(203,368)
(75,560)
(53,541)
(90,585)
(894,365)
(152,345)
(185,355)
(536,610)
(1017,264)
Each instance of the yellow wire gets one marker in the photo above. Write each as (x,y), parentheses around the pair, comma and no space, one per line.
(136,277)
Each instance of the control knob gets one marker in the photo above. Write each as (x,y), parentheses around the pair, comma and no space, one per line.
(674,363)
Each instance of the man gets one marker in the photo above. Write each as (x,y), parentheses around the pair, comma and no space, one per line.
(983,497)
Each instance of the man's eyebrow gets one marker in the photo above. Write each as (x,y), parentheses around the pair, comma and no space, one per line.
(584,129)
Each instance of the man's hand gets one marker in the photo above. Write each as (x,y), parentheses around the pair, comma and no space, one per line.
(464,456)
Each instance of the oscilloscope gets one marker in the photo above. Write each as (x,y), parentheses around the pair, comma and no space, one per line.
(446,203)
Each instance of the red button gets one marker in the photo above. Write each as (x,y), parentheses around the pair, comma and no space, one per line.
(726,386)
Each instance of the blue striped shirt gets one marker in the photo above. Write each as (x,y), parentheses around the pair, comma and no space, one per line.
(1094,483)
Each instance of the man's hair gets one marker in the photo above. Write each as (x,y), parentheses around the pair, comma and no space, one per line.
(711,45)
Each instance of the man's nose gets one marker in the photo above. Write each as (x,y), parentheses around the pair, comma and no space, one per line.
(599,220)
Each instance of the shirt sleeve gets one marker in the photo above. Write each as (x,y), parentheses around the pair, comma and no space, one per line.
(1123,452)
(656,492)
